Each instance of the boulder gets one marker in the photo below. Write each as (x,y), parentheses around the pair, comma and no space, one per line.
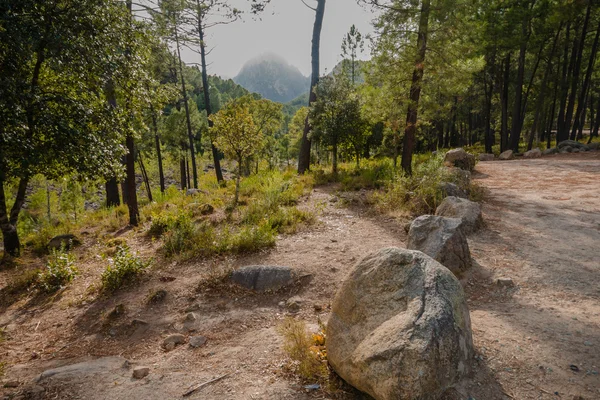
(576,150)
(443,240)
(68,241)
(572,144)
(507,155)
(534,153)
(400,327)
(140,372)
(593,146)
(552,150)
(566,149)
(467,211)
(460,158)
(486,157)
(452,189)
(172,341)
(197,341)
(262,277)
(463,177)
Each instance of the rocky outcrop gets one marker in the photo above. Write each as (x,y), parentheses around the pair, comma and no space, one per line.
(443,240)
(262,277)
(460,158)
(400,327)
(534,153)
(573,145)
(507,155)
(467,211)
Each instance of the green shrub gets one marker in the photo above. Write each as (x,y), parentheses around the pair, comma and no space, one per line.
(60,270)
(179,234)
(307,352)
(252,238)
(122,269)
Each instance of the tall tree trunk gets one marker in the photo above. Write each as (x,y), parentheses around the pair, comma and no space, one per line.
(161,174)
(145,176)
(542,95)
(515,134)
(575,77)
(187,113)
(489,93)
(305,145)
(112,193)
(132,203)
(187,170)
(206,92)
(8,222)
(564,85)
(504,101)
(594,132)
(183,173)
(410,130)
(581,103)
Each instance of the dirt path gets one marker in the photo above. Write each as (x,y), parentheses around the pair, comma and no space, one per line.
(543,229)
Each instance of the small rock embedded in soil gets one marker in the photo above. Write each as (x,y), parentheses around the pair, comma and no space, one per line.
(197,341)
(140,372)
(505,282)
(294,303)
(11,384)
(172,341)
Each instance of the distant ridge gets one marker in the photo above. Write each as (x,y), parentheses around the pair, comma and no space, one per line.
(272,77)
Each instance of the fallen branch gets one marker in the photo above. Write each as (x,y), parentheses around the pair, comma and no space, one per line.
(200,386)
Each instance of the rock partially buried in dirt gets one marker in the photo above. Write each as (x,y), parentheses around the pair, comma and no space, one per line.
(140,372)
(460,158)
(552,150)
(262,277)
(11,384)
(294,304)
(486,157)
(83,369)
(68,241)
(507,155)
(400,327)
(505,282)
(468,211)
(172,341)
(593,146)
(566,149)
(442,239)
(535,153)
(452,189)
(197,341)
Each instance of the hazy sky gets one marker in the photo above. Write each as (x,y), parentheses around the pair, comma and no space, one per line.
(285,29)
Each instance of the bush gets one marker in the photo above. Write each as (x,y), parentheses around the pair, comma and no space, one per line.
(180,233)
(60,270)
(307,352)
(122,269)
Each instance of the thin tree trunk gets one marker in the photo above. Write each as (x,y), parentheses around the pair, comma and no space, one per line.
(8,222)
(145,176)
(489,92)
(112,193)
(594,133)
(575,77)
(564,85)
(187,113)
(183,173)
(187,170)
(410,130)
(581,103)
(305,145)
(504,101)
(161,175)
(515,135)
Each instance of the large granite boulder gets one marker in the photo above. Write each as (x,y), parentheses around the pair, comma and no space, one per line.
(263,277)
(507,155)
(443,240)
(593,146)
(452,189)
(573,145)
(467,211)
(534,153)
(66,241)
(400,327)
(486,157)
(552,150)
(460,158)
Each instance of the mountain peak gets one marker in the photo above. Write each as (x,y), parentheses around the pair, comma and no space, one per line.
(271,76)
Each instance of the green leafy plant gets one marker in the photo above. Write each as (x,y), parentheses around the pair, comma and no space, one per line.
(60,271)
(122,269)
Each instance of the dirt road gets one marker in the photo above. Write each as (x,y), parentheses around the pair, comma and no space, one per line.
(536,339)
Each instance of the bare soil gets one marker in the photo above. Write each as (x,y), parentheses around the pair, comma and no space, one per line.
(537,340)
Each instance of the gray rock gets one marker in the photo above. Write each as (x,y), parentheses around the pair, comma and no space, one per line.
(69,240)
(452,189)
(193,307)
(83,369)
(534,153)
(140,372)
(575,150)
(400,327)
(552,150)
(193,192)
(262,277)
(197,341)
(463,178)
(467,211)
(460,158)
(486,157)
(566,149)
(191,317)
(172,341)
(294,303)
(507,155)
(505,282)
(593,146)
(572,144)
(443,240)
